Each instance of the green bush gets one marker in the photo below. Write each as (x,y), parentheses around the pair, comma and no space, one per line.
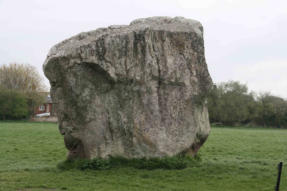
(177,162)
(13,105)
(230,103)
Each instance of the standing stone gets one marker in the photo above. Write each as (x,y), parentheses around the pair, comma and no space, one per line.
(135,90)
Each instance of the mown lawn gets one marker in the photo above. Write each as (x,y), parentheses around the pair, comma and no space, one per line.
(233,159)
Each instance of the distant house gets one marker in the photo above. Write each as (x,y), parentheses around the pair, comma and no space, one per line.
(46,109)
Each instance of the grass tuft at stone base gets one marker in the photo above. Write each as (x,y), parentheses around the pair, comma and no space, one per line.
(176,162)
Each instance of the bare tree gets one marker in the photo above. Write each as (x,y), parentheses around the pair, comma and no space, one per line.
(21,77)
(25,79)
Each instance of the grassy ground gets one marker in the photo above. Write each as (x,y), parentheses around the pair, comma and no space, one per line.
(232,159)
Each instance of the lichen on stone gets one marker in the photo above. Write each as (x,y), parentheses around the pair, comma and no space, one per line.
(134,91)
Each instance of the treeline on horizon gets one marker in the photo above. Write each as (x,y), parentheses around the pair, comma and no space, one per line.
(231,104)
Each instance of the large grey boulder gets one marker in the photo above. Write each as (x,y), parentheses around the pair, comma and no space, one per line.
(135,90)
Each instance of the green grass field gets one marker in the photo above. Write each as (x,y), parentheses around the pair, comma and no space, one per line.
(233,159)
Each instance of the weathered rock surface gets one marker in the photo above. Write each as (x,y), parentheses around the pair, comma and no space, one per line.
(135,91)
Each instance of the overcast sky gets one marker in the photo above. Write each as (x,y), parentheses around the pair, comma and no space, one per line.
(245,40)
